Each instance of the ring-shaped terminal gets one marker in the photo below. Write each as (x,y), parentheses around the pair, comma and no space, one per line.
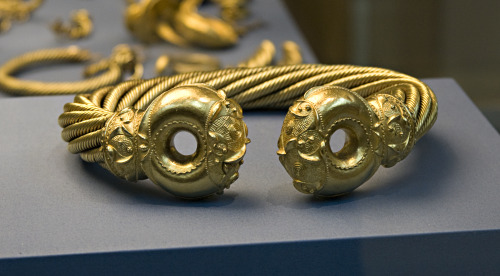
(139,144)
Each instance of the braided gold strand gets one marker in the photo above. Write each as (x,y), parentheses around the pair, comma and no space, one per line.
(126,127)
(107,71)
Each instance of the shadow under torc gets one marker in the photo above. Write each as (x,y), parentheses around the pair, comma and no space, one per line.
(143,191)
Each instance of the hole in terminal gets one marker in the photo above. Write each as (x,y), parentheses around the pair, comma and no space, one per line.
(338,140)
(185,143)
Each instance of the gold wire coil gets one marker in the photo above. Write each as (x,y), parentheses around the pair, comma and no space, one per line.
(105,72)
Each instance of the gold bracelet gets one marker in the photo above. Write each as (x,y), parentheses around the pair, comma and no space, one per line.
(105,72)
(129,128)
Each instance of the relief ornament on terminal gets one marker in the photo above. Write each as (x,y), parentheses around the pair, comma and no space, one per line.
(139,144)
(380,130)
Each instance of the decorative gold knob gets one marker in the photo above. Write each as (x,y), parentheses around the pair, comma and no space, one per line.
(140,144)
(379,131)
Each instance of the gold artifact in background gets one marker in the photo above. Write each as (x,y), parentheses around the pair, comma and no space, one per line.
(232,10)
(291,54)
(80,25)
(102,73)
(192,62)
(184,63)
(16,10)
(264,55)
(179,23)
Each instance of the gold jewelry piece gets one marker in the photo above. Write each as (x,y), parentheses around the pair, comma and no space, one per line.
(105,72)
(162,64)
(203,31)
(232,10)
(179,23)
(291,54)
(80,25)
(185,63)
(263,56)
(196,62)
(16,10)
(128,128)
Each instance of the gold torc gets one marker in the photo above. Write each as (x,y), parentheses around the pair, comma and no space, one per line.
(129,128)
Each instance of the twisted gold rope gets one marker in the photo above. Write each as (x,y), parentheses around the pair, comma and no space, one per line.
(111,71)
(272,87)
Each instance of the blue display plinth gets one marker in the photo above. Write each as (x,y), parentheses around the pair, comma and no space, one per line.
(436,211)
